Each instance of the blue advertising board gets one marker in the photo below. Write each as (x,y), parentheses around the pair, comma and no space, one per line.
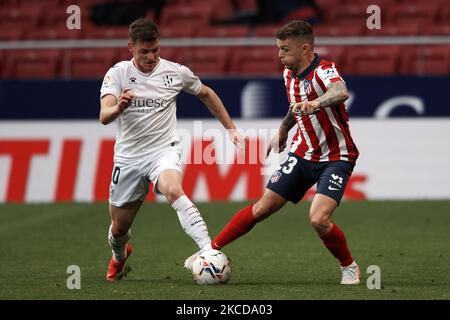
(244,98)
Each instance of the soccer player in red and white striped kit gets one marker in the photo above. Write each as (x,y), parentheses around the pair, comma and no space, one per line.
(322,150)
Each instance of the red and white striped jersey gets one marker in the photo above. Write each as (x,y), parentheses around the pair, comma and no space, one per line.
(325,134)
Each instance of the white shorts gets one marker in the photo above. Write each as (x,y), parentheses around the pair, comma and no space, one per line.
(130,181)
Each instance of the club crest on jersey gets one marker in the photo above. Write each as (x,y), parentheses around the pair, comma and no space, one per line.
(307,86)
(167,80)
(132,80)
(275,177)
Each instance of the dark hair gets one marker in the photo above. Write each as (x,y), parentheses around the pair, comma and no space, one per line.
(143,30)
(296,29)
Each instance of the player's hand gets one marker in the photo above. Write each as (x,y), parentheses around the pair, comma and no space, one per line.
(125,99)
(277,143)
(305,107)
(237,139)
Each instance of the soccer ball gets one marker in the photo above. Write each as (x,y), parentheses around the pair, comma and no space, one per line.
(211,267)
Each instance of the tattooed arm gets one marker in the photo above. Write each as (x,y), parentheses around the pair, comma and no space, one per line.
(336,94)
(278,141)
(288,122)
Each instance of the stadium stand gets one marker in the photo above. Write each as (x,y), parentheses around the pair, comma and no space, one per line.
(28,64)
(227,19)
(205,60)
(380,60)
(87,63)
(430,60)
(251,61)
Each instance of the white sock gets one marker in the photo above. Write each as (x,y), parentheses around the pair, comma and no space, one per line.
(192,222)
(118,245)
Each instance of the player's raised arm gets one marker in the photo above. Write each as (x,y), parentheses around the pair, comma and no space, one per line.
(211,100)
(111,107)
(336,93)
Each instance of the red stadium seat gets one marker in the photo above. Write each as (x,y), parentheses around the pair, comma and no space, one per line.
(222,10)
(390,30)
(427,60)
(381,3)
(206,61)
(20,18)
(168,53)
(176,32)
(32,64)
(180,16)
(444,14)
(434,30)
(350,14)
(372,60)
(219,32)
(420,15)
(253,61)
(122,54)
(11,34)
(53,33)
(327,4)
(93,32)
(332,53)
(268,31)
(88,63)
(345,30)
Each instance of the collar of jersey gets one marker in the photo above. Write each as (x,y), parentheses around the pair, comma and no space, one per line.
(310,68)
(143,73)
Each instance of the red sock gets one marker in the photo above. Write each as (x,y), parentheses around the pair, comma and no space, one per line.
(335,241)
(240,224)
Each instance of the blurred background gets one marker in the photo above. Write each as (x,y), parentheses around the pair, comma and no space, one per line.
(398,77)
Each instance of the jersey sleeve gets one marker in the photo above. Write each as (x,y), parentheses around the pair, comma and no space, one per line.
(111,83)
(191,83)
(328,74)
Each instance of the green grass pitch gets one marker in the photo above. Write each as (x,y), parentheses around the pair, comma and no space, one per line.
(281,258)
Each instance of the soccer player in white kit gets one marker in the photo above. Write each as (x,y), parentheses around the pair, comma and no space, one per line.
(140,95)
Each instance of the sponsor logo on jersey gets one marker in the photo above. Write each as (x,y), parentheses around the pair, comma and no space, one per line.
(151,104)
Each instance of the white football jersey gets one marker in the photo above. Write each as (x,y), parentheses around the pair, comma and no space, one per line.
(149,122)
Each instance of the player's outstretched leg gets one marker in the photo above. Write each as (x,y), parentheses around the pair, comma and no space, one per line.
(118,236)
(333,238)
(121,250)
(191,221)
(245,219)
(240,224)
(193,224)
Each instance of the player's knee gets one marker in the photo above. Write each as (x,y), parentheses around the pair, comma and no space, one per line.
(262,210)
(174,192)
(118,230)
(318,221)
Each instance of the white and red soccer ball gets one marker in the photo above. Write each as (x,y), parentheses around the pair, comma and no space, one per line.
(211,267)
